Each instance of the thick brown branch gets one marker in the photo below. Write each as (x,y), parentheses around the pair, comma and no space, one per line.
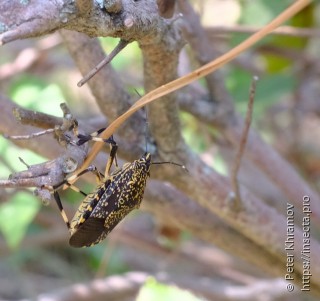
(134,20)
(163,114)
(34,18)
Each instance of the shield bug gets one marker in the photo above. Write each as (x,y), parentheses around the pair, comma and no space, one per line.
(115,196)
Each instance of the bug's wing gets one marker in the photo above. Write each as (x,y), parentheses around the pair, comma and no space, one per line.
(114,201)
(88,234)
(94,228)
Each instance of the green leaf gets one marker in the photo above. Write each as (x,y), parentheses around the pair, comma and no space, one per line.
(15,217)
(155,291)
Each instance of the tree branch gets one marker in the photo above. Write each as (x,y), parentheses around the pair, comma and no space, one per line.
(48,173)
(163,114)
(138,20)
(261,154)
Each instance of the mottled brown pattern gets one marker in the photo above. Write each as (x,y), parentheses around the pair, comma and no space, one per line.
(112,200)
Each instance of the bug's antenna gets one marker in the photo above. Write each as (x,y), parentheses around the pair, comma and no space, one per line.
(147,122)
(173,163)
(147,128)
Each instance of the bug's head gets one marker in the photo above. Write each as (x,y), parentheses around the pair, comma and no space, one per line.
(146,159)
(145,162)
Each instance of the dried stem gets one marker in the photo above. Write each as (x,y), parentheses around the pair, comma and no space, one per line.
(282,31)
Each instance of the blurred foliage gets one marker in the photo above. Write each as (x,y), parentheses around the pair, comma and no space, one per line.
(260,12)
(36,93)
(156,291)
(192,127)
(270,88)
(16,215)
(10,154)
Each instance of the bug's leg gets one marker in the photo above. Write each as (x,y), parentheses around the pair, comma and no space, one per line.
(62,212)
(112,157)
(73,178)
(94,136)
(91,168)
(110,140)
(75,188)
(56,196)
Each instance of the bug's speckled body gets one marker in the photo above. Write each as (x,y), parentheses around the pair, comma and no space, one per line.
(111,201)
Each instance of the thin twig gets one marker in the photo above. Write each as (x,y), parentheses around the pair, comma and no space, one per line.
(34,135)
(17,183)
(24,163)
(121,45)
(242,145)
